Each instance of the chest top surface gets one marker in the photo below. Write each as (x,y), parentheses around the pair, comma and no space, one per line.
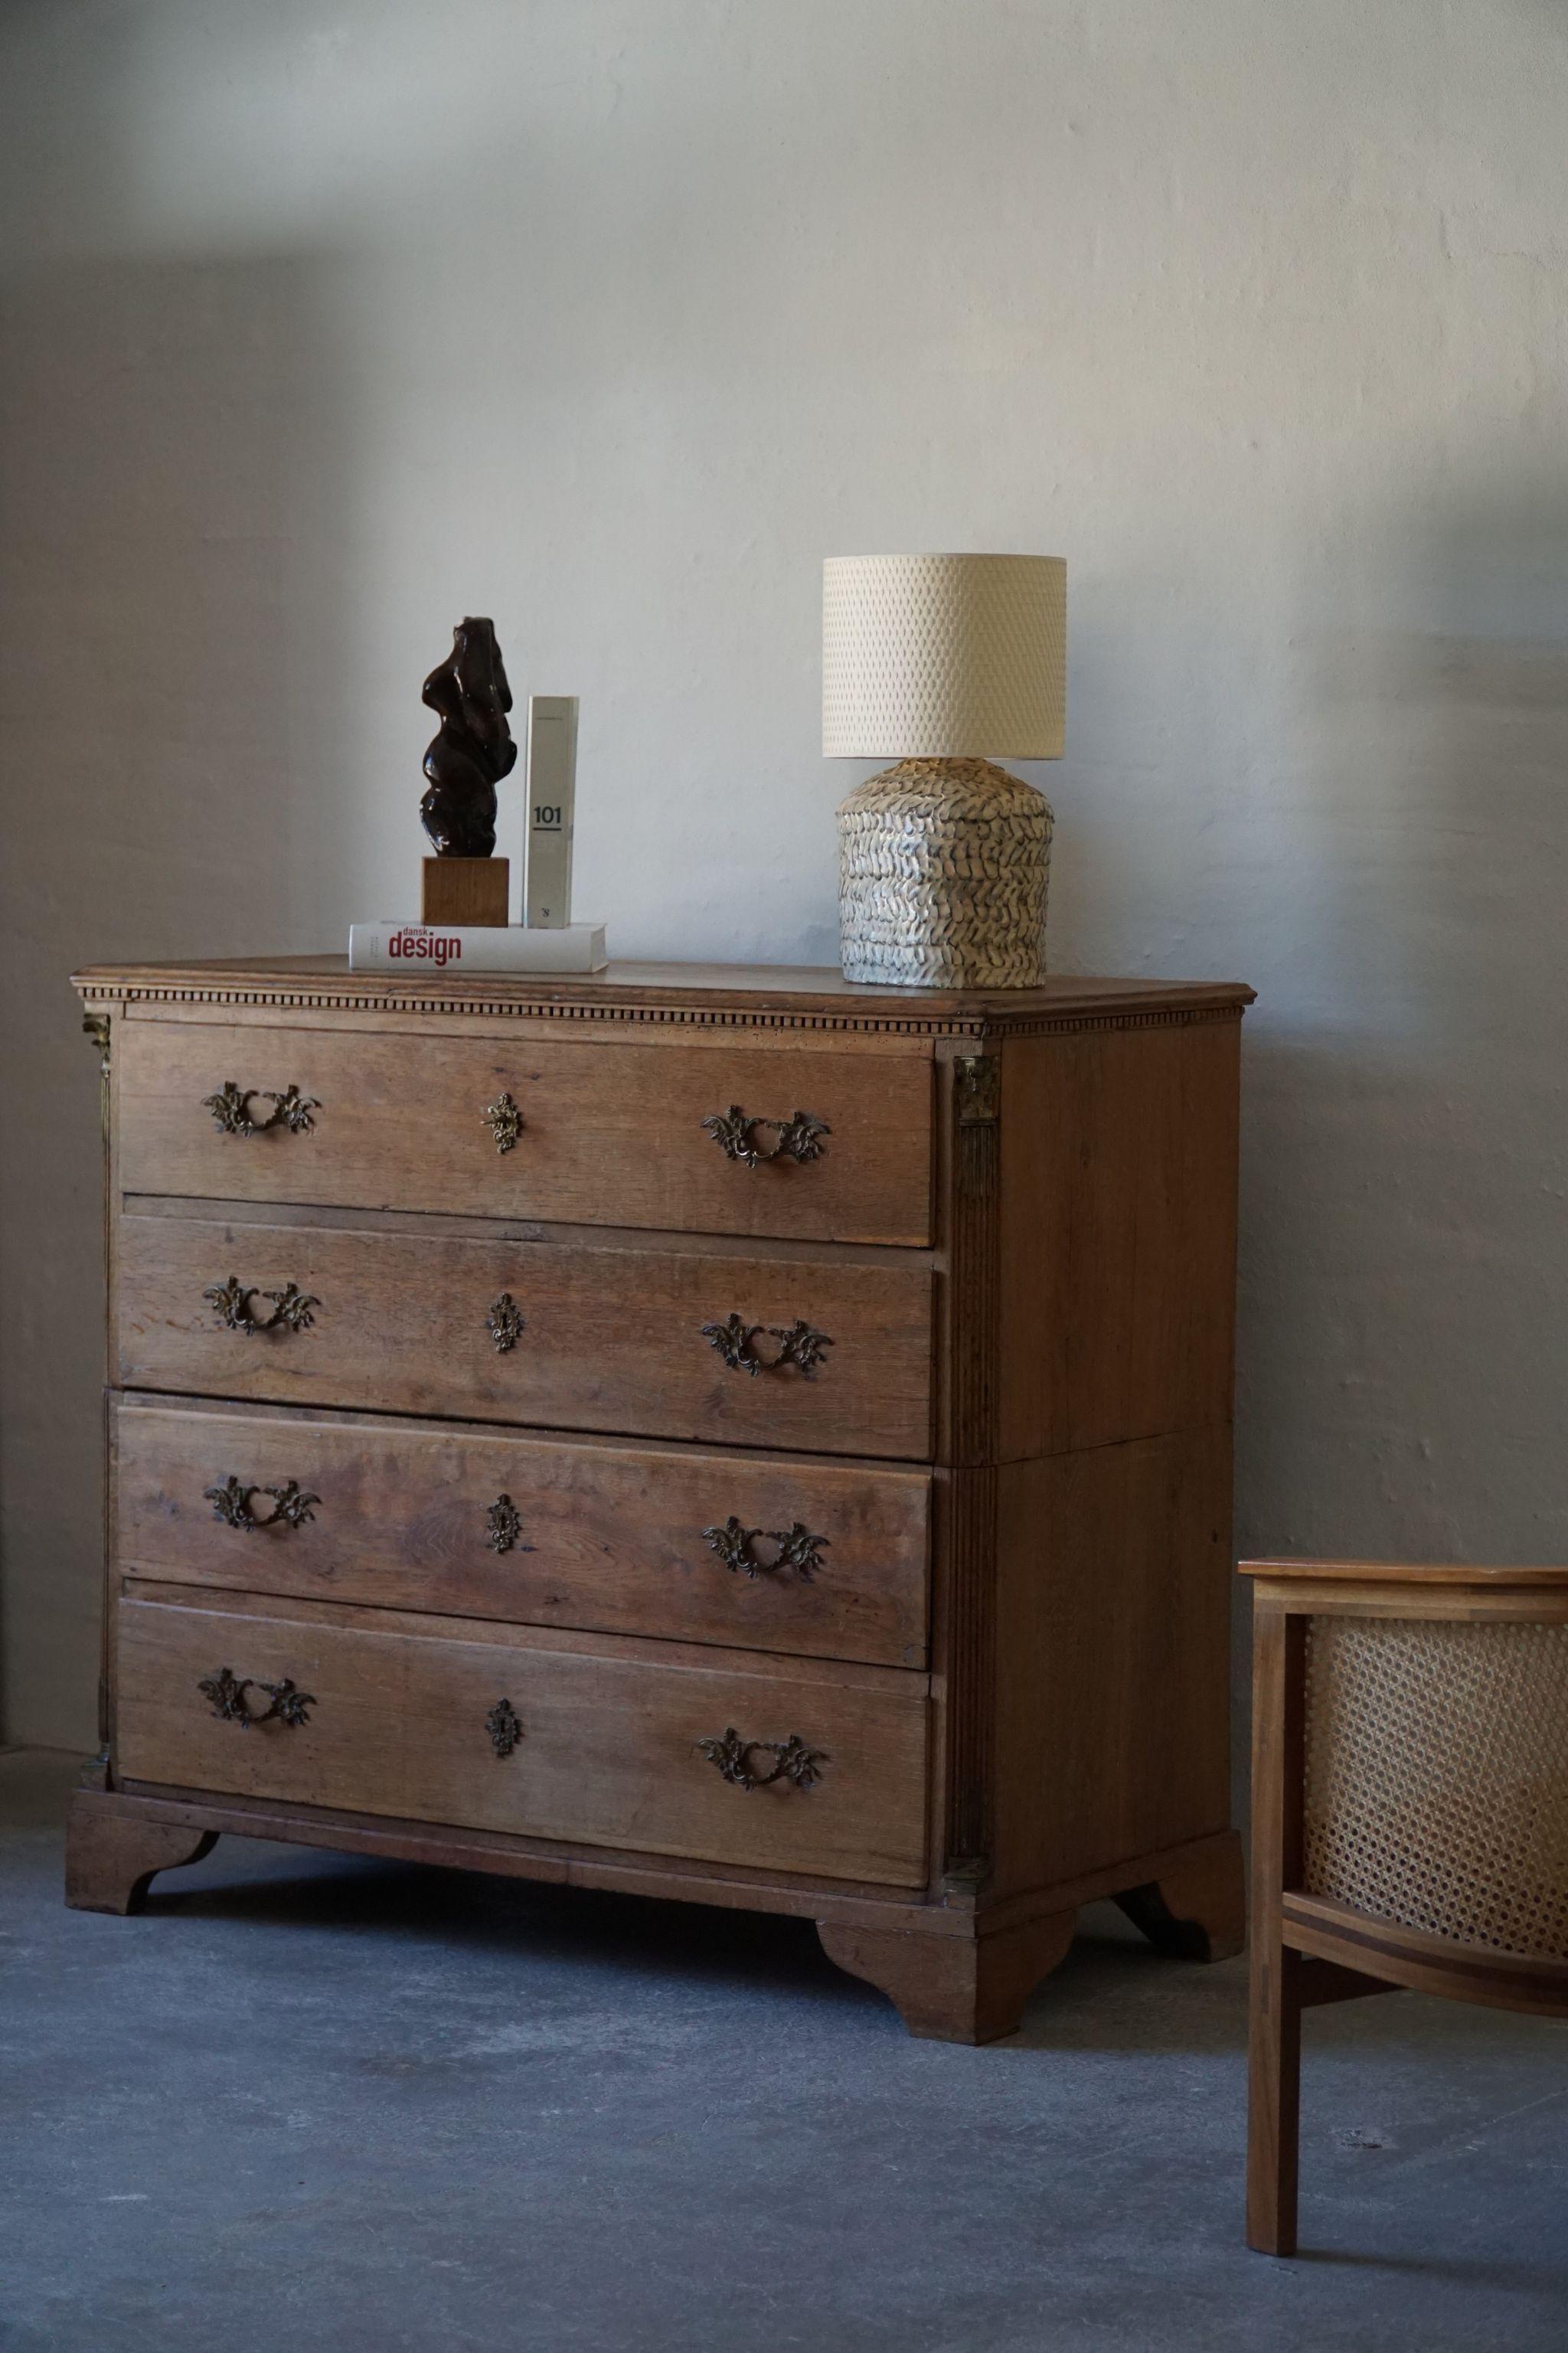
(703,994)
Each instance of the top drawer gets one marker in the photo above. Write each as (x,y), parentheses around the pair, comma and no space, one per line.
(696,1139)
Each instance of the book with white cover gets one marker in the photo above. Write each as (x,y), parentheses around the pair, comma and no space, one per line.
(425,948)
(552,800)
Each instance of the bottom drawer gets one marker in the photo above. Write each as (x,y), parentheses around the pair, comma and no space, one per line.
(612,1743)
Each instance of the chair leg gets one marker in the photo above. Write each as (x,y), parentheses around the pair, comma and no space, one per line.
(1274,2097)
(1274,2036)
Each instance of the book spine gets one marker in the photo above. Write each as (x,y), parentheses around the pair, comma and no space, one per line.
(423,949)
(552,798)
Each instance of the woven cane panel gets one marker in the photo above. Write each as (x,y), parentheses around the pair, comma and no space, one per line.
(944,867)
(939,656)
(1438,1777)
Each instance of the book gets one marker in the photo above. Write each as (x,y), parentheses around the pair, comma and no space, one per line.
(422,949)
(552,800)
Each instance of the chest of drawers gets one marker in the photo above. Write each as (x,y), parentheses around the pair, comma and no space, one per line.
(725,1434)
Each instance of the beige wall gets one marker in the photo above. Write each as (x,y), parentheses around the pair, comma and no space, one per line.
(323,325)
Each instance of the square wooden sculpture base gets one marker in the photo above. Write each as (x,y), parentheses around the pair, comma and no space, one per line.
(465,890)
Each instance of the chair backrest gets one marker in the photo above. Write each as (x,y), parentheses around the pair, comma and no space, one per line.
(1423,1718)
(1436,1776)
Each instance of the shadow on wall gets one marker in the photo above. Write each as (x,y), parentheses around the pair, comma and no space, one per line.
(171,632)
(1403,1352)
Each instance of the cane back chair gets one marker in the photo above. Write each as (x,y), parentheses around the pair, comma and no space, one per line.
(1409,1812)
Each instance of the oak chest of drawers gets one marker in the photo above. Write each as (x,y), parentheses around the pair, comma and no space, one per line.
(725,1434)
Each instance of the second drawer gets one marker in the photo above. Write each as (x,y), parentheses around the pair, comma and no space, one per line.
(829,1353)
(821,1559)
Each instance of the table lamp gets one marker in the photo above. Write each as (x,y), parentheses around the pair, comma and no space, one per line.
(944,858)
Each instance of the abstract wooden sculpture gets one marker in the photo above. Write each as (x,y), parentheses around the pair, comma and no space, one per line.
(1410,1812)
(473,749)
(470,754)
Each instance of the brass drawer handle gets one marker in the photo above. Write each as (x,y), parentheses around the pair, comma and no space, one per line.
(505,1727)
(504,1121)
(793,1761)
(798,1548)
(798,1344)
(228,1701)
(230,1302)
(505,1322)
(230,1108)
(736,1132)
(291,1507)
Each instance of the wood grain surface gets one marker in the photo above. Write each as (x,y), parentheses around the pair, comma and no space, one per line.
(608,1753)
(612,1338)
(611,1134)
(744,994)
(610,1536)
(1119,1193)
(1112,1729)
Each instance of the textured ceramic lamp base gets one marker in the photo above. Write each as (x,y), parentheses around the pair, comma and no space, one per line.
(944,867)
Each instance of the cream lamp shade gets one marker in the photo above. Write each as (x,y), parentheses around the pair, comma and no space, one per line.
(943,656)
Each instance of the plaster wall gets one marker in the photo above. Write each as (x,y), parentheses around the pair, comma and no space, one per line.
(324,325)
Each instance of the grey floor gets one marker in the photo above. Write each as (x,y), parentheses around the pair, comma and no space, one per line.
(309,2100)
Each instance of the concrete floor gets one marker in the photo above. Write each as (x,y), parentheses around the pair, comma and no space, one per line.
(309,2100)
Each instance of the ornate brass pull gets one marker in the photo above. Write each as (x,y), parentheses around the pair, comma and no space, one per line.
(228,1701)
(504,1121)
(504,1522)
(230,1302)
(505,1727)
(230,1107)
(798,1344)
(798,1548)
(291,1507)
(504,1322)
(736,1132)
(793,1761)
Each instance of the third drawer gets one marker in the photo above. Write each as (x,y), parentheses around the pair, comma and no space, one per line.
(820,1559)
